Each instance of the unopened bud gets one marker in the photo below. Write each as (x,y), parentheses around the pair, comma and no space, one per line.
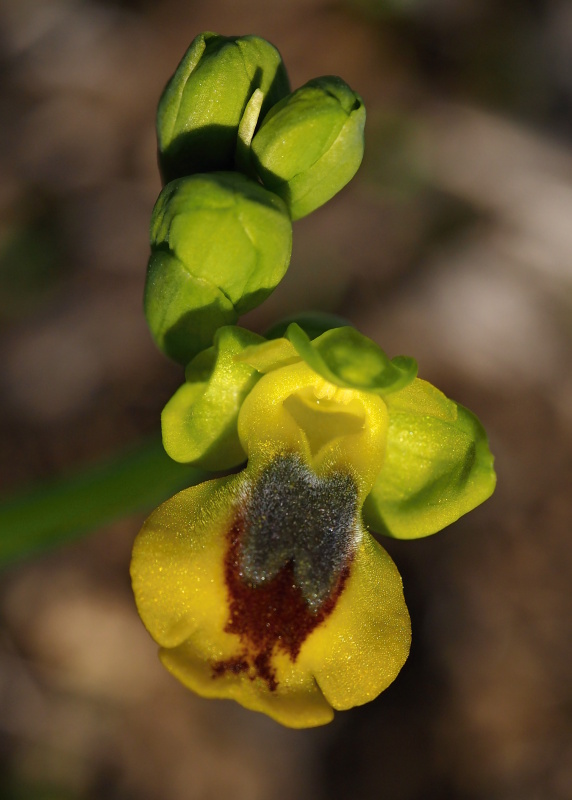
(201,108)
(311,144)
(220,243)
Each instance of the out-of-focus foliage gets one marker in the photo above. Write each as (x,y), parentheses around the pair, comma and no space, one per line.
(452,242)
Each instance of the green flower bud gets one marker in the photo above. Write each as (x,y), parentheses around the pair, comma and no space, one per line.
(200,421)
(201,108)
(220,243)
(311,144)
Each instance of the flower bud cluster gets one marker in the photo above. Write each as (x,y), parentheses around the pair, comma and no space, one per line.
(241,157)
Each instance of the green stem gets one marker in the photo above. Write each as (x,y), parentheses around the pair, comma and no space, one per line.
(44,516)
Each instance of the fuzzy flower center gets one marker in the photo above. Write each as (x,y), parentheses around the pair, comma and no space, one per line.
(289,553)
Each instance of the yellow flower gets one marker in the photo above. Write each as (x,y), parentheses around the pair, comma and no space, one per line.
(264,586)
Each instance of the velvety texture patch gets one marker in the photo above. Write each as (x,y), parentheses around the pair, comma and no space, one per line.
(295,517)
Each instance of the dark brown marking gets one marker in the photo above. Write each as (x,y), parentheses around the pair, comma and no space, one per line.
(234,665)
(273,615)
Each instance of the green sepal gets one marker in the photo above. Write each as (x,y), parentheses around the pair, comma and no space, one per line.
(199,422)
(220,244)
(438,465)
(313,323)
(310,144)
(183,311)
(201,108)
(345,357)
(246,128)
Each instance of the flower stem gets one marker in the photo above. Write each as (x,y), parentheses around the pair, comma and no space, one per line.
(47,515)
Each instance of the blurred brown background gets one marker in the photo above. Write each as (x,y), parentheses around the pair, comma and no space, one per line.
(453,244)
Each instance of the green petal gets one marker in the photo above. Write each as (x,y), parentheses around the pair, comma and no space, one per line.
(199,422)
(437,467)
(346,358)
(246,129)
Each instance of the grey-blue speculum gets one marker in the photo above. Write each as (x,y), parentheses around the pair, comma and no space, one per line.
(294,517)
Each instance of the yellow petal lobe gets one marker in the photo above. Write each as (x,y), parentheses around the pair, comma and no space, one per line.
(361,647)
